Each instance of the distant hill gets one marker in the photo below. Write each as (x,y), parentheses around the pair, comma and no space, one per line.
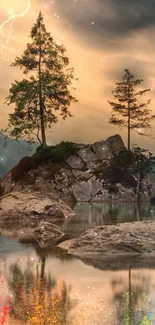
(12,151)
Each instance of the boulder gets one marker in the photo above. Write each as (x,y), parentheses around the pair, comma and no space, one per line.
(106,149)
(86,191)
(88,156)
(102,150)
(75,162)
(28,209)
(47,234)
(116,144)
(113,241)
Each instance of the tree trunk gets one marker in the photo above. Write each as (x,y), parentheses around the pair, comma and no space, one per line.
(41,104)
(42,281)
(42,274)
(43,135)
(129,127)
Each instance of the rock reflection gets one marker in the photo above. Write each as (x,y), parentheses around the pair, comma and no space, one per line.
(93,214)
(38,299)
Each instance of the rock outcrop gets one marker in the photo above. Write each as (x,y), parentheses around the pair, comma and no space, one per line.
(116,241)
(28,209)
(81,177)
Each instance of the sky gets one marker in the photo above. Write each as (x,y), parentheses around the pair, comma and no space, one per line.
(102,38)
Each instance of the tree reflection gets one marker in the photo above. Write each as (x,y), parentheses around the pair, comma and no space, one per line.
(129,296)
(38,299)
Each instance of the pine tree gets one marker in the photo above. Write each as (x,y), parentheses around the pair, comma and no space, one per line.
(128,111)
(39,99)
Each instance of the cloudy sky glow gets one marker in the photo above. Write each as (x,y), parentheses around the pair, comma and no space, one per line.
(102,37)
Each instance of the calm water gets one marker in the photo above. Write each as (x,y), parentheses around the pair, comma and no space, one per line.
(52,288)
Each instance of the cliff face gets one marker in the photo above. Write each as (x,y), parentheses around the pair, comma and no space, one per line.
(81,176)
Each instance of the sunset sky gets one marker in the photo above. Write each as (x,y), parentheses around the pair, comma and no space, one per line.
(102,37)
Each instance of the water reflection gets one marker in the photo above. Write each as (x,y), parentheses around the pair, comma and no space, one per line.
(89,215)
(38,298)
(135,299)
(42,287)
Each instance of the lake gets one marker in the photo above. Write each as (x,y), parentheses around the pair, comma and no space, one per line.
(42,287)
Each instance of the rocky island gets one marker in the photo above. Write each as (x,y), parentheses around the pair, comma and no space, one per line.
(33,194)
(79,172)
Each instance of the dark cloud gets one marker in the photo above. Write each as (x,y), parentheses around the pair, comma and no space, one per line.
(138,67)
(113,19)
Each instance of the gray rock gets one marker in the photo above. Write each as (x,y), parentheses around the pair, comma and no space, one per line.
(47,234)
(103,195)
(147,188)
(26,209)
(106,149)
(76,172)
(63,179)
(87,155)
(121,240)
(75,162)
(102,150)
(66,244)
(85,191)
(116,144)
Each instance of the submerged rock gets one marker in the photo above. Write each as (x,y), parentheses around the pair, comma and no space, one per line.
(113,241)
(28,209)
(47,234)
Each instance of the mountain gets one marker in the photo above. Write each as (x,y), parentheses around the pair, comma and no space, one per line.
(12,151)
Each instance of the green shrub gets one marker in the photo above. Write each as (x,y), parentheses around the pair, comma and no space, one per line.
(111,174)
(56,154)
(122,167)
(137,160)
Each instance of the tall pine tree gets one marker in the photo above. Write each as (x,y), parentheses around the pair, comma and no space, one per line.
(47,90)
(128,111)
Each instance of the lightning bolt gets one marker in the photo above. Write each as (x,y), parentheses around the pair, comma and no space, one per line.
(4,41)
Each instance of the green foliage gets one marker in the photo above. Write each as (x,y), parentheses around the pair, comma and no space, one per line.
(56,154)
(123,167)
(137,160)
(47,90)
(128,111)
(111,173)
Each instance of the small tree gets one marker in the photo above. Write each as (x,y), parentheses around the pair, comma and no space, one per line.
(47,91)
(128,111)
